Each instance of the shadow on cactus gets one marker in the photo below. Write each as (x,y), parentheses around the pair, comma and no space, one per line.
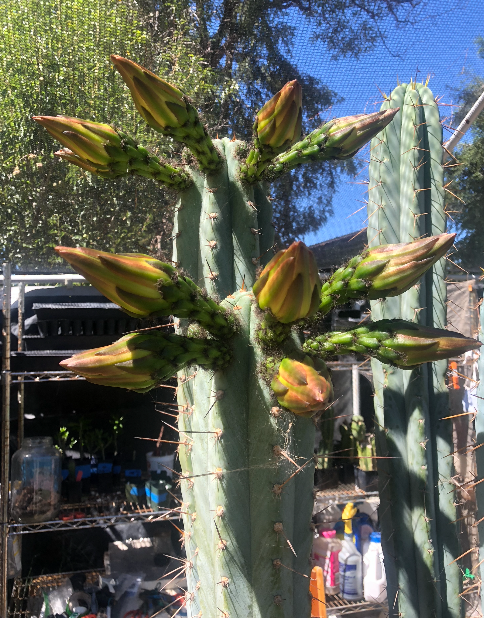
(246,387)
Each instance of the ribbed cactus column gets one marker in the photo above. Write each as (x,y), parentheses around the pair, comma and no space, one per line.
(246,535)
(406,202)
(480,457)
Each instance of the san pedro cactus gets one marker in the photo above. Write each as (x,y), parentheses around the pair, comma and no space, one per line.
(246,389)
(419,534)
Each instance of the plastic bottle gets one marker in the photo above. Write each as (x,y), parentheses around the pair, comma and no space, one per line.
(350,560)
(375,581)
(326,549)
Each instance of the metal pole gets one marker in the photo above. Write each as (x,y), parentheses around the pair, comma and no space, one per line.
(461,130)
(355,381)
(6,307)
(20,347)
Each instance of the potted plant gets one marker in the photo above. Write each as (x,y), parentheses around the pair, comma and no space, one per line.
(366,475)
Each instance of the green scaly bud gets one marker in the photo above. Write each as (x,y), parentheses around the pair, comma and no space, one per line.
(106,152)
(395,342)
(166,109)
(146,287)
(337,139)
(387,270)
(140,361)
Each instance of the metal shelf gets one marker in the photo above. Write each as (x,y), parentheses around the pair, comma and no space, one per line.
(102,521)
(26,596)
(26,600)
(43,376)
(347,608)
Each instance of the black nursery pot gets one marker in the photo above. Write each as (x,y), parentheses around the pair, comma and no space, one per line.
(326,479)
(105,476)
(366,480)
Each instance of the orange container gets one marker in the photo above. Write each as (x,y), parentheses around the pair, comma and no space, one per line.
(316,587)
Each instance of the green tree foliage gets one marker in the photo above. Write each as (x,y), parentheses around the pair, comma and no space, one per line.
(467,174)
(54,59)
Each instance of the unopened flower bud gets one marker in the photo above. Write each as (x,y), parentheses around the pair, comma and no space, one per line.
(278,123)
(140,361)
(395,342)
(303,388)
(144,286)
(289,285)
(387,270)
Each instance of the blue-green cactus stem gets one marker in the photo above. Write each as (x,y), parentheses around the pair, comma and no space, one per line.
(405,203)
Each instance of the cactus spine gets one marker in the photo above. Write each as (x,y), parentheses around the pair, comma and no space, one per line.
(406,202)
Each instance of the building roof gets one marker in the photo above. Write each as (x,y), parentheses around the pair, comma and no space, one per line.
(333,253)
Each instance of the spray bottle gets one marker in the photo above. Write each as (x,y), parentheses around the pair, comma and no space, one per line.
(350,560)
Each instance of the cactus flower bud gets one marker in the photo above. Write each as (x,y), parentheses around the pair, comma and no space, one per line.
(349,134)
(303,388)
(395,342)
(278,123)
(144,286)
(160,104)
(166,109)
(86,140)
(140,361)
(106,152)
(383,271)
(340,138)
(289,285)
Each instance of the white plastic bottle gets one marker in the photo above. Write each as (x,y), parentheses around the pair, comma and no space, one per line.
(326,549)
(375,581)
(350,561)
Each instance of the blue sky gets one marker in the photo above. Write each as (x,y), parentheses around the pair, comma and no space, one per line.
(441,44)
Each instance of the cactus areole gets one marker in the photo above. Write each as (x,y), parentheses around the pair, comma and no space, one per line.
(246,389)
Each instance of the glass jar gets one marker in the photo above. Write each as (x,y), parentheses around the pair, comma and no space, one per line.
(36,481)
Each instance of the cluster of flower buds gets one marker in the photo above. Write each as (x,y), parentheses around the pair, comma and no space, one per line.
(166,109)
(106,152)
(276,128)
(290,285)
(340,138)
(303,387)
(140,361)
(395,342)
(144,286)
(380,272)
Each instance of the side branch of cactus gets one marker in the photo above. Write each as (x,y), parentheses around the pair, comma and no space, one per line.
(167,109)
(107,152)
(383,271)
(394,342)
(141,361)
(337,139)
(146,287)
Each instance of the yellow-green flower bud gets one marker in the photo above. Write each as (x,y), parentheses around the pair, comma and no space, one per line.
(290,285)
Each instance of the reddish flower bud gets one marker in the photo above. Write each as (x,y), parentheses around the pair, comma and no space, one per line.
(303,388)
